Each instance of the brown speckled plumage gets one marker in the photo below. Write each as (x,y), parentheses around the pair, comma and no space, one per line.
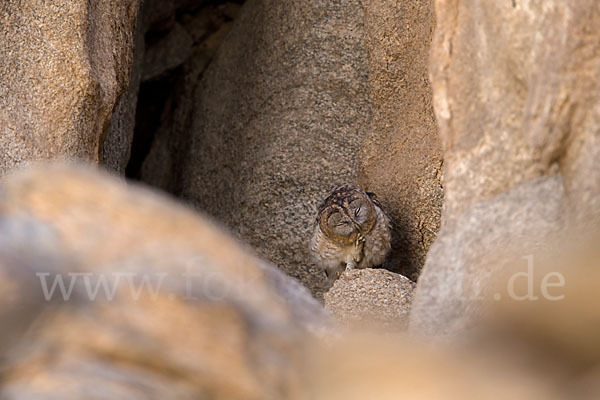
(351,231)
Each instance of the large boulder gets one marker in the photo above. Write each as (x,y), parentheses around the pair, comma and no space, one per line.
(470,253)
(515,95)
(157,302)
(401,157)
(546,348)
(275,122)
(116,150)
(283,114)
(63,67)
(518,106)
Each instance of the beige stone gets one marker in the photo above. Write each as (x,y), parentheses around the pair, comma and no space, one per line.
(275,122)
(472,251)
(401,158)
(517,101)
(516,96)
(64,65)
(234,329)
(372,299)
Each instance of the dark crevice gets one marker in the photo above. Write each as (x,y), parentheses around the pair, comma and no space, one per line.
(152,98)
(201,19)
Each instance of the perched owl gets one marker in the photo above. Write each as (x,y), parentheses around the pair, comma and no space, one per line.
(351,231)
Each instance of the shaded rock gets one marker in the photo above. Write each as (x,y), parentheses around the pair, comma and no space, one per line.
(117,146)
(64,65)
(401,157)
(473,249)
(161,15)
(275,122)
(167,32)
(170,52)
(201,23)
(220,323)
(195,32)
(371,297)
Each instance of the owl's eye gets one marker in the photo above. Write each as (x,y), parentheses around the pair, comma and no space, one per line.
(356,212)
(342,223)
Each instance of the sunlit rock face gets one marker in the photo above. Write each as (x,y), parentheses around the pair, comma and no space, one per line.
(63,67)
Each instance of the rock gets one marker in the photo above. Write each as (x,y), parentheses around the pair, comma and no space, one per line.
(274,123)
(514,98)
(523,349)
(201,23)
(167,33)
(556,324)
(170,52)
(162,14)
(64,65)
(244,335)
(472,250)
(393,368)
(546,348)
(192,313)
(373,297)
(117,146)
(401,158)
(518,111)
(259,147)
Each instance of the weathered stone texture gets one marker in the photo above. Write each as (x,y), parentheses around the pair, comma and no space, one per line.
(275,122)
(515,93)
(374,298)
(517,101)
(401,158)
(471,251)
(63,65)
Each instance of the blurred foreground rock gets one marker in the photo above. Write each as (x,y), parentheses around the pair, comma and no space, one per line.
(374,297)
(241,330)
(63,67)
(192,315)
(525,349)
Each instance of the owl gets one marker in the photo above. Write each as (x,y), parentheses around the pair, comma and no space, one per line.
(351,231)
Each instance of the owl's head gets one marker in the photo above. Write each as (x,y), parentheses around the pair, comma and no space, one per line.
(347,212)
